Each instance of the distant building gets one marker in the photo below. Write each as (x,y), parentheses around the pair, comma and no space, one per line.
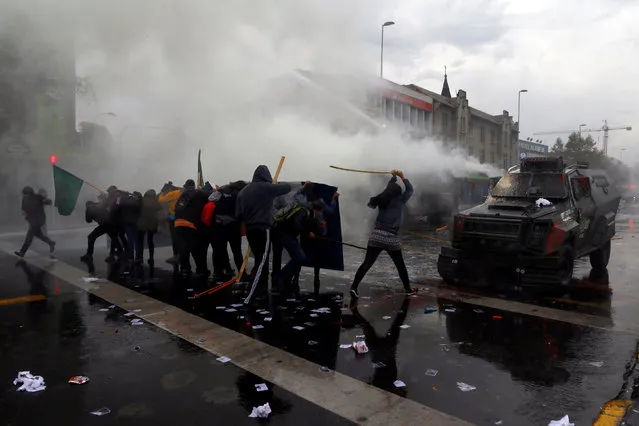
(489,138)
(528,149)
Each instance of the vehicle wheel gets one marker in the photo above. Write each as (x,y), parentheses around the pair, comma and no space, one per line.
(600,257)
(566,265)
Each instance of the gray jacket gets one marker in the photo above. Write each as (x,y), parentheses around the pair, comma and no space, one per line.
(255,202)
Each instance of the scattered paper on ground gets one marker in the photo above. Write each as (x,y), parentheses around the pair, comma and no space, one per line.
(404,326)
(597,364)
(101,411)
(261,387)
(399,384)
(262,411)
(431,372)
(223,359)
(564,421)
(465,387)
(386,317)
(29,382)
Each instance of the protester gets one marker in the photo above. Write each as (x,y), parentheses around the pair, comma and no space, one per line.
(390,204)
(301,219)
(169,196)
(190,231)
(130,208)
(99,213)
(33,211)
(255,207)
(226,230)
(147,226)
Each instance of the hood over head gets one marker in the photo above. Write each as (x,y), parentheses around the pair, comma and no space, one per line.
(384,198)
(27,190)
(150,194)
(189,184)
(262,174)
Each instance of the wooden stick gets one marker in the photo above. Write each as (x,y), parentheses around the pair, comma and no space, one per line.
(94,187)
(330,240)
(374,172)
(248,251)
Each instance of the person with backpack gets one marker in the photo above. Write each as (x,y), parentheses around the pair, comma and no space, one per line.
(299,217)
(130,208)
(147,226)
(33,211)
(255,208)
(190,230)
(98,212)
(226,231)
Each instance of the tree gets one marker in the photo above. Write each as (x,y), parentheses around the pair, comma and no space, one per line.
(578,144)
(558,146)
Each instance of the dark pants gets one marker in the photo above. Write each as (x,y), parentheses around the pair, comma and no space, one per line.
(192,243)
(131,232)
(293,247)
(223,236)
(371,256)
(99,231)
(259,241)
(174,243)
(35,231)
(139,248)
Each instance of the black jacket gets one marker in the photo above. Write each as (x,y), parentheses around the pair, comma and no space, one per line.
(151,208)
(225,199)
(255,202)
(33,207)
(189,206)
(130,207)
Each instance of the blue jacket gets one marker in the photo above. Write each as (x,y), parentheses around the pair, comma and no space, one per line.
(390,217)
(254,203)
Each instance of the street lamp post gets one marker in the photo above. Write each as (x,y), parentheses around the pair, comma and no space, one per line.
(519,110)
(381,59)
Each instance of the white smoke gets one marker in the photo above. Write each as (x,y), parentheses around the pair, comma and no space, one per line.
(206,67)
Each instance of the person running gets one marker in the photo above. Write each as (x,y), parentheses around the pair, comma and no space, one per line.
(390,204)
(33,211)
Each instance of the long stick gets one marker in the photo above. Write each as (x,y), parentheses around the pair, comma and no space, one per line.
(330,240)
(94,187)
(374,172)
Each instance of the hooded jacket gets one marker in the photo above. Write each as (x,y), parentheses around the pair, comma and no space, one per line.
(188,210)
(255,202)
(33,207)
(390,204)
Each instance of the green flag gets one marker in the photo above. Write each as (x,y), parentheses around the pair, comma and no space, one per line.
(67,190)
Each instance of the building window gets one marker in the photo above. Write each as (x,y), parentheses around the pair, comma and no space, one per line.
(397,111)
(445,123)
(482,134)
(420,119)
(406,113)
(471,129)
(492,135)
(388,107)
(463,124)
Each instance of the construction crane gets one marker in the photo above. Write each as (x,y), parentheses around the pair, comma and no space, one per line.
(605,129)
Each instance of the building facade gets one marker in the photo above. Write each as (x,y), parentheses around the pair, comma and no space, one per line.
(528,149)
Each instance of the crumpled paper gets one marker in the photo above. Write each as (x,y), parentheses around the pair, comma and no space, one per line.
(464,387)
(542,202)
(564,421)
(30,383)
(262,411)
(360,347)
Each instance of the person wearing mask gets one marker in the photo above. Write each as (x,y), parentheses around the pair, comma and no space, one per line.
(255,208)
(169,196)
(147,226)
(98,212)
(226,230)
(33,211)
(190,231)
(384,237)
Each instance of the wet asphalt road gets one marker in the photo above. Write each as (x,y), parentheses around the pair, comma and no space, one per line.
(527,368)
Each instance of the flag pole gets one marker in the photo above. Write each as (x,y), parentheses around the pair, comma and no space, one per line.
(95,187)
(374,172)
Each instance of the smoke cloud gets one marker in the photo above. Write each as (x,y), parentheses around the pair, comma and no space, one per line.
(207,75)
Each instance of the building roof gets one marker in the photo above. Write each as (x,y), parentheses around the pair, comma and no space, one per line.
(445,88)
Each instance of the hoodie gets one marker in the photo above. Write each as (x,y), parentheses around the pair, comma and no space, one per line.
(151,207)
(255,202)
(33,207)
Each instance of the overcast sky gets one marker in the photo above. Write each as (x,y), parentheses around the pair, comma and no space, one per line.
(577,58)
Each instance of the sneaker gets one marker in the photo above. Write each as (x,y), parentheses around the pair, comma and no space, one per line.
(18,253)
(411,291)
(354,293)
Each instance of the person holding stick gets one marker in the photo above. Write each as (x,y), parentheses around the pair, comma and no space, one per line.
(390,204)
(254,206)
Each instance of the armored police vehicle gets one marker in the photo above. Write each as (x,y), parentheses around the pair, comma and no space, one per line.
(538,219)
